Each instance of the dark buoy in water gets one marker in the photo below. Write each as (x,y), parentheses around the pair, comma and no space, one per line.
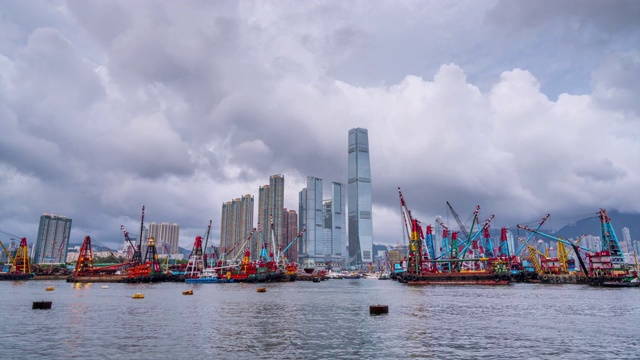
(44,305)
(378,309)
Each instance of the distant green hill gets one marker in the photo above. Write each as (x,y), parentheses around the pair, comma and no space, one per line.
(591,226)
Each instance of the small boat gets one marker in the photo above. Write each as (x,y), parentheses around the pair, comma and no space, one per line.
(262,289)
(138,296)
(188,292)
(104,287)
(208,276)
(619,284)
(41,305)
(352,275)
(384,276)
(50,288)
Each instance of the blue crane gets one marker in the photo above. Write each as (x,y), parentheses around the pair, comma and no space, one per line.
(609,239)
(531,235)
(428,240)
(555,238)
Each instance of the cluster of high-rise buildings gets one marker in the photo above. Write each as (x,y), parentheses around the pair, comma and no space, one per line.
(324,240)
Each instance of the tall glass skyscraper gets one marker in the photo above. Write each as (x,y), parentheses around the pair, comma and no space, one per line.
(359,198)
(310,214)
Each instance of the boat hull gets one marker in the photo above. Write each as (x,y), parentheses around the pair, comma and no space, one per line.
(457,279)
(16,276)
(563,279)
(208,280)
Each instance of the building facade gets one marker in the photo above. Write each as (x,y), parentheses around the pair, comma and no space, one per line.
(334,236)
(359,199)
(290,231)
(236,226)
(166,236)
(53,239)
(276,206)
(270,207)
(310,218)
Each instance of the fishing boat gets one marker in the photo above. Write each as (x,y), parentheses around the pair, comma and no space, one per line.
(207,276)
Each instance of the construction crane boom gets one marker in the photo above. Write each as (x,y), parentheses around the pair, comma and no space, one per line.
(406,216)
(531,235)
(463,228)
(470,240)
(558,239)
(206,243)
(9,258)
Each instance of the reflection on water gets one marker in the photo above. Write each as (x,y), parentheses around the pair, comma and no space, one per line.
(327,320)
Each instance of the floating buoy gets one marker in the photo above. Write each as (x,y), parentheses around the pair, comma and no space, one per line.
(104,287)
(50,288)
(378,309)
(262,289)
(138,296)
(42,305)
(188,292)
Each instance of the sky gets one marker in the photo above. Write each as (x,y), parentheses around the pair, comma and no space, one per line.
(522,107)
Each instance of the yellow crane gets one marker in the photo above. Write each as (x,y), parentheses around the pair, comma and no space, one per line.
(9,258)
(534,256)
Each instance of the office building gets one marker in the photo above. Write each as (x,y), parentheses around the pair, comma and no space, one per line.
(334,238)
(359,199)
(310,218)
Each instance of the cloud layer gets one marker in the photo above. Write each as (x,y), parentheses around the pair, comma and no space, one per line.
(106,106)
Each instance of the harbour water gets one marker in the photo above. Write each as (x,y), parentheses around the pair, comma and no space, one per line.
(326,320)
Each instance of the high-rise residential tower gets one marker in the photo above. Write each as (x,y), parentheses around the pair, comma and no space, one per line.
(276,205)
(165,234)
(53,239)
(289,233)
(236,225)
(359,198)
(270,206)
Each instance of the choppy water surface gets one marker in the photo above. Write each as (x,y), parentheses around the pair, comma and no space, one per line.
(327,320)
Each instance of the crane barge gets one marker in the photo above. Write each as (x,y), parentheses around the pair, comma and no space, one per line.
(20,264)
(450,269)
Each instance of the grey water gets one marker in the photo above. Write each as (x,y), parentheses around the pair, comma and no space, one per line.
(326,320)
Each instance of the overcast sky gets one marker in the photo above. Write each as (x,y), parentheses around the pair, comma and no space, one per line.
(521,107)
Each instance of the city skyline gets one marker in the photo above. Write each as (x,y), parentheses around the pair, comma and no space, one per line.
(522,108)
